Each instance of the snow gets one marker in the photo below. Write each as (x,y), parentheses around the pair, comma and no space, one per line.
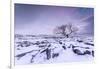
(38,47)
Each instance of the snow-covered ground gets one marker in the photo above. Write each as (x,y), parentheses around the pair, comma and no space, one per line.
(41,50)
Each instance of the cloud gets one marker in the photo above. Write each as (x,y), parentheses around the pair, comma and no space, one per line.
(39,19)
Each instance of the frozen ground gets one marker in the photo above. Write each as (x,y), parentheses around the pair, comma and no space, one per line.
(31,49)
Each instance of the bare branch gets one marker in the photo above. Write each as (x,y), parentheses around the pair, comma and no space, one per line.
(66,30)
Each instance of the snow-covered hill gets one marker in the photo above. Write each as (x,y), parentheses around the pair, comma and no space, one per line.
(33,49)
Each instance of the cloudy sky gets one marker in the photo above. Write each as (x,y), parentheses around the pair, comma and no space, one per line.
(42,19)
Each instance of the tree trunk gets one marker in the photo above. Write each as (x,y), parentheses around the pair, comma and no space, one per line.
(67,36)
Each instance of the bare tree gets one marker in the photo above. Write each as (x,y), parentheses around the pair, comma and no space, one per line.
(66,30)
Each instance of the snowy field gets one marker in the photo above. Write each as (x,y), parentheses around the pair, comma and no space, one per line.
(31,49)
